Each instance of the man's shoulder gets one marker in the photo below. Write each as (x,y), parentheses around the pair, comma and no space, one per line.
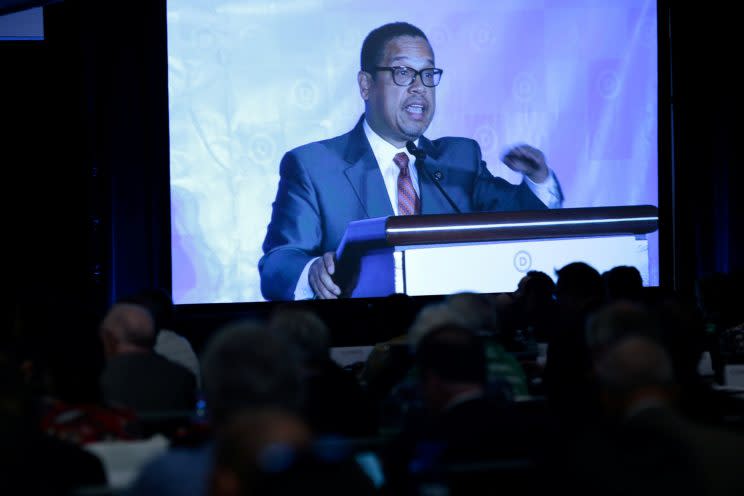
(178,471)
(335,144)
(456,151)
(454,142)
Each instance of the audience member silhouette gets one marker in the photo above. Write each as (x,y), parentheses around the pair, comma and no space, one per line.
(616,321)
(460,421)
(386,372)
(335,402)
(135,376)
(270,452)
(534,309)
(244,366)
(476,312)
(684,337)
(62,360)
(567,376)
(579,288)
(648,446)
(168,342)
(623,282)
(481,315)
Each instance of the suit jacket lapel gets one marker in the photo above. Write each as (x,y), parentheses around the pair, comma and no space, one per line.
(364,175)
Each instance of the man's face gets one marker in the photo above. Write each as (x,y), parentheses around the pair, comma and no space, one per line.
(399,113)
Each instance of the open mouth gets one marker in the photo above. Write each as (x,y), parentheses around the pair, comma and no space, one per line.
(415,110)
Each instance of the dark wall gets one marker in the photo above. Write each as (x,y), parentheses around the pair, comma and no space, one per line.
(47,155)
(87,153)
(707,102)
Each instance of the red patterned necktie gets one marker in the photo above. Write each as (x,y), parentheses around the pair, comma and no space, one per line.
(408,200)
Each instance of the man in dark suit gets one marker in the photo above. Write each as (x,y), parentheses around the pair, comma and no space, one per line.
(461,419)
(135,376)
(371,172)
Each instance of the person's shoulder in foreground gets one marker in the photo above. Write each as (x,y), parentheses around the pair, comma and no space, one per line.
(179,472)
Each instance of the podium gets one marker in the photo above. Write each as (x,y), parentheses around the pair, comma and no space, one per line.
(487,252)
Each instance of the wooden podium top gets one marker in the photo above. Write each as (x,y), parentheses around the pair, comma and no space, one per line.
(500,226)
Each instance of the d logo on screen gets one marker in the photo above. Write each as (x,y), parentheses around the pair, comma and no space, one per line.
(522,261)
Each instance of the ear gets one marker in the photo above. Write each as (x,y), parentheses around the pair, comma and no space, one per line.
(365,83)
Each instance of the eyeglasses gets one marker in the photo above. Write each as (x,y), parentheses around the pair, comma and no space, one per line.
(405,76)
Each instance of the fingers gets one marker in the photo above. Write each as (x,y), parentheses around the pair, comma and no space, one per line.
(320,277)
(330,265)
(319,282)
(529,156)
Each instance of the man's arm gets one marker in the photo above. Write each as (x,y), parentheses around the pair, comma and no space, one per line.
(531,163)
(549,191)
(293,237)
(539,189)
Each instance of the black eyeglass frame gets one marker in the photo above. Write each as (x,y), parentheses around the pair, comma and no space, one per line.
(437,74)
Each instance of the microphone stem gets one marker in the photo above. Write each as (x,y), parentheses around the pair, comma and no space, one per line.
(421,155)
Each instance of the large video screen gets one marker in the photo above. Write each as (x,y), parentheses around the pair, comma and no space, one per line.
(250,80)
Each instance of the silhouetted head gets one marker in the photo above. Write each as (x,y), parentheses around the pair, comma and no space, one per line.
(245,365)
(617,321)
(158,301)
(306,330)
(451,360)
(623,282)
(633,371)
(128,327)
(579,287)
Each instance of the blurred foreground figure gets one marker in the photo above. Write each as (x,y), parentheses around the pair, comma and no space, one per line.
(243,367)
(270,452)
(647,446)
(335,403)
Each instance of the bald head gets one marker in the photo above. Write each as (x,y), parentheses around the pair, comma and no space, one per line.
(128,327)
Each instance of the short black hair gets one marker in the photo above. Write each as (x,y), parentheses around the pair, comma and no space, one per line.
(579,281)
(623,282)
(536,282)
(373,48)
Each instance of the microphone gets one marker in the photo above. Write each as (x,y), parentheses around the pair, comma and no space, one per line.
(415,151)
(435,178)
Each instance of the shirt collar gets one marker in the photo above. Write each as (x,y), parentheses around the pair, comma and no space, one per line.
(384,151)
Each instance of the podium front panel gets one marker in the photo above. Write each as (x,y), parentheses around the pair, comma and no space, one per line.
(494,267)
